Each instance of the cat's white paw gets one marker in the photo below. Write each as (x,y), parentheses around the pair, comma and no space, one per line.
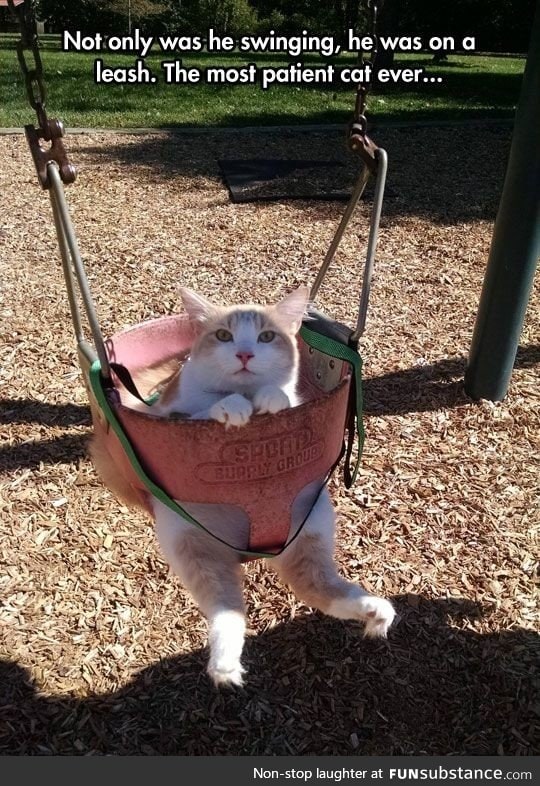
(270,399)
(233,410)
(227,629)
(226,672)
(377,614)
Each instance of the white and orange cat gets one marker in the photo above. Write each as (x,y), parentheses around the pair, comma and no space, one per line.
(244,361)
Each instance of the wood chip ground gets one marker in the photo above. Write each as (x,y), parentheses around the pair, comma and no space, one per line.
(101,650)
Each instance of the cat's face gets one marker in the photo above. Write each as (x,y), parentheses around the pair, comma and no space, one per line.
(246,347)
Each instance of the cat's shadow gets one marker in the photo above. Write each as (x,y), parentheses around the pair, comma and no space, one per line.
(314,686)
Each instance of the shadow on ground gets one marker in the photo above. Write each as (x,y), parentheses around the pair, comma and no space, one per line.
(314,686)
(429,387)
(469,160)
(63,447)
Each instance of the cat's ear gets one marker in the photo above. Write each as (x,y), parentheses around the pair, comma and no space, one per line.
(199,309)
(292,308)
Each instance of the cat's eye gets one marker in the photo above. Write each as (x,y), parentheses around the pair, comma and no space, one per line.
(224,335)
(267,336)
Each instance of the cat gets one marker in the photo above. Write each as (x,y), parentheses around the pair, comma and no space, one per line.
(244,361)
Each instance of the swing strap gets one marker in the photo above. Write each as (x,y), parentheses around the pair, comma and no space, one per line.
(127,381)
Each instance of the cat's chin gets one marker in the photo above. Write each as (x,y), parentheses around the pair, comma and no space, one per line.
(249,384)
(245,381)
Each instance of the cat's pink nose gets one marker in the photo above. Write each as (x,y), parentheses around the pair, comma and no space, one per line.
(244,357)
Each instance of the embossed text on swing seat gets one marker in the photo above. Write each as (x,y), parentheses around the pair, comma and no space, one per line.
(243,460)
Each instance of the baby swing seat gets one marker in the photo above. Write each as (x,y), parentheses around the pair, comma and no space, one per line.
(260,467)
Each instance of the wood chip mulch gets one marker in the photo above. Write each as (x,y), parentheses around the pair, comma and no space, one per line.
(101,650)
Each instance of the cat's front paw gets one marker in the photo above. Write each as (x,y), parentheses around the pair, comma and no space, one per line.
(270,399)
(377,614)
(225,672)
(233,410)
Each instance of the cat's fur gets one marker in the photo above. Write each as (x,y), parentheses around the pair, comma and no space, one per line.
(231,380)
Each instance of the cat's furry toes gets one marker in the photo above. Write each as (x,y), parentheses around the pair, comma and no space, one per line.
(233,410)
(225,673)
(270,399)
(377,614)
(226,639)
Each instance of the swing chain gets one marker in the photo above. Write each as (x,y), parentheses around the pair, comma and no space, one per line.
(364,86)
(33,73)
(359,142)
(32,70)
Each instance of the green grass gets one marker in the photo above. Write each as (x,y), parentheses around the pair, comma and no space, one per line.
(472,87)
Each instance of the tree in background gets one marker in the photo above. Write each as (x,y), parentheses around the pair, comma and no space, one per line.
(227,16)
(89,16)
(136,13)
(105,16)
(293,16)
(498,25)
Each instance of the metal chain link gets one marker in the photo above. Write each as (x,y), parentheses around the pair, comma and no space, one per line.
(29,58)
(364,87)
(51,131)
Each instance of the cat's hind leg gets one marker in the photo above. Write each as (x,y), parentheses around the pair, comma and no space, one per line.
(212,573)
(308,567)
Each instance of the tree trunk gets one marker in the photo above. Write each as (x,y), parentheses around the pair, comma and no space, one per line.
(387,17)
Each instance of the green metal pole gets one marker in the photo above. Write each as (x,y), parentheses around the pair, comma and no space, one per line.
(515,247)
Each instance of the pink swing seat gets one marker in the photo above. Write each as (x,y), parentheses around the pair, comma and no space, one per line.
(261,467)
